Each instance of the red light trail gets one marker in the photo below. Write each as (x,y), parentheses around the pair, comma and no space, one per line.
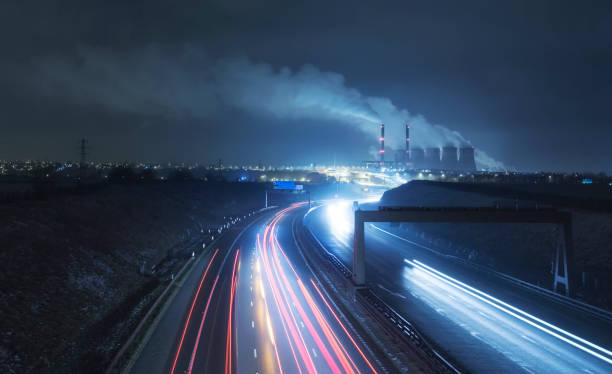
(195,348)
(288,297)
(228,343)
(178,352)
(303,319)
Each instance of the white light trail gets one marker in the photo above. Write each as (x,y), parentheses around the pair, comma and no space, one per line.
(519,314)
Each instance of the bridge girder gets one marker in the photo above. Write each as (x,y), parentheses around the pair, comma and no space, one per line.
(564,258)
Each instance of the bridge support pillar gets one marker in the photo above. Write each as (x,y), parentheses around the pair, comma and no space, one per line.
(563,261)
(359,252)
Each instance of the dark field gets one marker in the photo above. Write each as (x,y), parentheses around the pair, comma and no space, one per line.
(78,269)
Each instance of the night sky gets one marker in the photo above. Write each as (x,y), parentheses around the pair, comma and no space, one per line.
(528,83)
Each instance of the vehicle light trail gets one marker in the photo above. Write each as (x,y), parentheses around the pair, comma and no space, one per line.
(291,295)
(289,323)
(296,302)
(273,340)
(269,323)
(339,350)
(513,311)
(190,311)
(283,305)
(228,343)
(566,333)
(343,328)
(195,348)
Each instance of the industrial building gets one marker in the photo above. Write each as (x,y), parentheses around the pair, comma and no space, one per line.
(466,159)
(449,158)
(432,158)
(417,158)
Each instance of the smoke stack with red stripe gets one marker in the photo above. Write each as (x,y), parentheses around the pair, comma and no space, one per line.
(382,145)
(407,155)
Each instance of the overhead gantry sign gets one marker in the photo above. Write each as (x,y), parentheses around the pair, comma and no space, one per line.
(564,257)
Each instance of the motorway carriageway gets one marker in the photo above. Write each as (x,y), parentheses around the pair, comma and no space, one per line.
(482,323)
(255,307)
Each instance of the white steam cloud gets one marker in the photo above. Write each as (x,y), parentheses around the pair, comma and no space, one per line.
(152,81)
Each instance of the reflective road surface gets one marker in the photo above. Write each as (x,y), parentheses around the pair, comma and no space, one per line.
(253,306)
(482,323)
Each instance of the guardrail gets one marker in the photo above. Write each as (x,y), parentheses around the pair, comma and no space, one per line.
(406,329)
(386,314)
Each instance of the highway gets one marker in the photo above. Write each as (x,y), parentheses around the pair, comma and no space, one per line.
(253,306)
(484,324)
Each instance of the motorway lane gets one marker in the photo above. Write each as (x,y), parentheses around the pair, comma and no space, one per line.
(257,310)
(159,353)
(292,328)
(479,336)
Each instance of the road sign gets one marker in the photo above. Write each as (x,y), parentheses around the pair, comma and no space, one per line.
(284,185)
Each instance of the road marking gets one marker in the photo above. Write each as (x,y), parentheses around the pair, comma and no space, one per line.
(483,314)
(251,303)
(526,368)
(255,352)
(314,352)
(528,338)
(391,292)
(253,324)
(302,323)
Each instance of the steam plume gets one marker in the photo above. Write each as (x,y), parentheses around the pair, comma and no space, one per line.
(152,81)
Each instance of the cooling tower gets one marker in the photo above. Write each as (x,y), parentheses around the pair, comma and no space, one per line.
(432,158)
(417,158)
(449,158)
(466,159)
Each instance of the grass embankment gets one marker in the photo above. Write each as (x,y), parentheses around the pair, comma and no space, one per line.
(78,271)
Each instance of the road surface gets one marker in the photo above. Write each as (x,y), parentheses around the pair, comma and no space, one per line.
(483,323)
(254,307)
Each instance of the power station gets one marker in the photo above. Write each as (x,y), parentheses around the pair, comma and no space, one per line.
(447,158)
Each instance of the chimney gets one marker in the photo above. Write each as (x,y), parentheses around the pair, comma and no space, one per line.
(382,145)
(407,155)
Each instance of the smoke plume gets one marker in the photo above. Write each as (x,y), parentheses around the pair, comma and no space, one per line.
(154,81)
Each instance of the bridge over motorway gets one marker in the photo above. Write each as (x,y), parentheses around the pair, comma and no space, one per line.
(564,256)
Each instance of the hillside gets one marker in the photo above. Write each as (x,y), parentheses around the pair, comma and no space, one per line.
(75,264)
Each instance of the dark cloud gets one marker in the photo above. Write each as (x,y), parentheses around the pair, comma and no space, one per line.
(527,82)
